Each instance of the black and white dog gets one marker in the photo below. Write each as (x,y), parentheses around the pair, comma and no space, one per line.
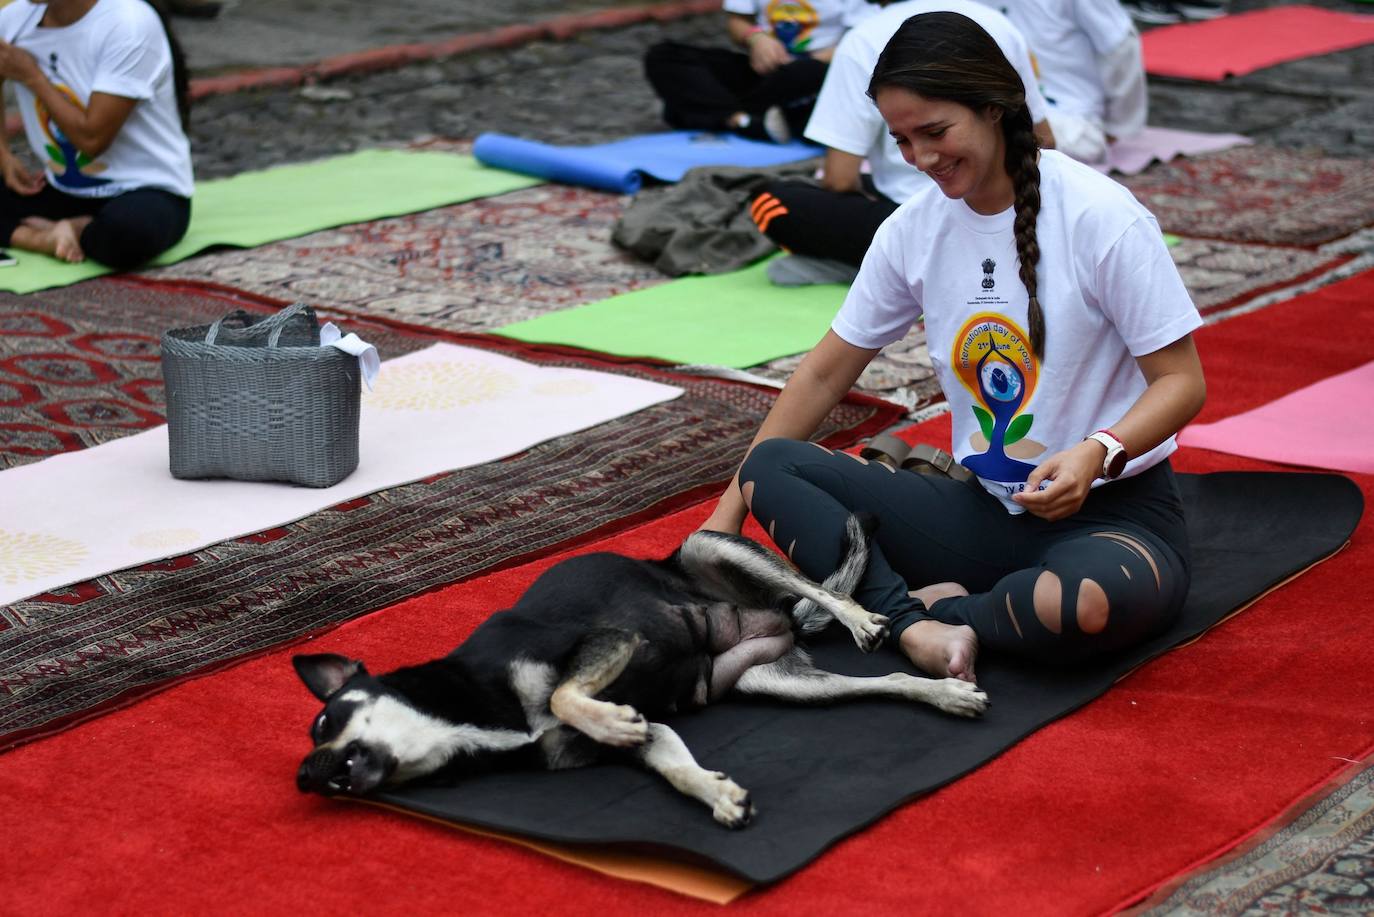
(594,652)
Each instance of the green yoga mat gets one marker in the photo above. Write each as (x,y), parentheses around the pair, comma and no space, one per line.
(738,319)
(258,207)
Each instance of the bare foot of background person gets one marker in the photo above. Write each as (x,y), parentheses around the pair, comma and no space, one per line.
(61,238)
(67,239)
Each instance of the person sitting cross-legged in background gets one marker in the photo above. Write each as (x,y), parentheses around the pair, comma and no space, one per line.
(102,88)
(765,91)
(1092,71)
(828,228)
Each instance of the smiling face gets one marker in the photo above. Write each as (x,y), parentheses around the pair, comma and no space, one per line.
(962,149)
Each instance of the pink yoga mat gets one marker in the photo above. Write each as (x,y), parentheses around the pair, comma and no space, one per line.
(1131,155)
(1245,42)
(1321,426)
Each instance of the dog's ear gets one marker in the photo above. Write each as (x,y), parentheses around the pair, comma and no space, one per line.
(325,673)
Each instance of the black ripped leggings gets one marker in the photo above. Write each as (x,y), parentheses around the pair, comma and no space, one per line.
(126,231)
(1110,576)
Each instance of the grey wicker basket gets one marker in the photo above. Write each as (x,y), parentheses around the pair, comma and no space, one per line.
(258,399)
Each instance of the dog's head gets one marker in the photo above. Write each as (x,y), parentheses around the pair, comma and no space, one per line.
(355,734)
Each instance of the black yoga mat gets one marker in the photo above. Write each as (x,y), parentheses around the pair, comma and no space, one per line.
(817,774)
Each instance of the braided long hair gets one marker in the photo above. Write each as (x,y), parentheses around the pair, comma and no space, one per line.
(950,57)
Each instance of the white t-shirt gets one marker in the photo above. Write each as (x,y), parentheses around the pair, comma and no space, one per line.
(846,119)
(118,48)
(1108,289)
(1073,42)
(802,25)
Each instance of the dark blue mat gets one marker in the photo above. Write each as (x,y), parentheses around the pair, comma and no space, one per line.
(622,165)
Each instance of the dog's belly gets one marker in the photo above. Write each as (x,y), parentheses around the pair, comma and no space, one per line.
(741,639)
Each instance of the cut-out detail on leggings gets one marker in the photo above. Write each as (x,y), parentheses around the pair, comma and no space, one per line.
(824,449)
(772,524)
(1124,572)
(1136,546)
(746,490)
(1093,607)
(790,548)
(1047,597)
(1012,614)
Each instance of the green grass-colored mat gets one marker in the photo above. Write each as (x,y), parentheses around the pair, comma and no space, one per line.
(258,207)
(738,319)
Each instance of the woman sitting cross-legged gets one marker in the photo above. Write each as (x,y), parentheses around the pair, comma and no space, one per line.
(1061,334)
(102,88)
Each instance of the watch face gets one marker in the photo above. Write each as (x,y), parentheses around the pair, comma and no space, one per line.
(1116,463)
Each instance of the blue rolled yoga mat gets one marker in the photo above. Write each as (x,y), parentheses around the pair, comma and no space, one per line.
(622,165)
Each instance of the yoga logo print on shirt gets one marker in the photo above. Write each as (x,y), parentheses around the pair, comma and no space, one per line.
(992,359)
(793,21)
(70,167)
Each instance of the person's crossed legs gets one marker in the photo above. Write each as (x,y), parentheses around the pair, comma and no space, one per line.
(1054,592)
(121,232)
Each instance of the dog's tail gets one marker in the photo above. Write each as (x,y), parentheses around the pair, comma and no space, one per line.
(809,616)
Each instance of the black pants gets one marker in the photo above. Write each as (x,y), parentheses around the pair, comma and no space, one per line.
(1032,583)
(125,231)
(806,219)
(702,87)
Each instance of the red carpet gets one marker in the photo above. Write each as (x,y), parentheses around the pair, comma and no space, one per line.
(185,802)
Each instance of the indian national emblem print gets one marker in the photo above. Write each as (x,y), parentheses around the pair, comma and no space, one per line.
(988,267)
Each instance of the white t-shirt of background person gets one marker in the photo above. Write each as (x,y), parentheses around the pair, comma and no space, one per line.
(802,26)
(118,48)
(1072,41)
(1108,289)
(846,119)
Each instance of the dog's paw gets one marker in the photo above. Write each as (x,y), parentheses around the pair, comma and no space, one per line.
(869,629)
(619,725)
(960,698)
(732,807)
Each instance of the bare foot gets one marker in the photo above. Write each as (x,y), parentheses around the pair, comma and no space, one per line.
(943,650)
(66,236)
(61,239)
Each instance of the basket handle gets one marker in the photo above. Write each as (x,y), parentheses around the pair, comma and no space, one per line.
(273,324)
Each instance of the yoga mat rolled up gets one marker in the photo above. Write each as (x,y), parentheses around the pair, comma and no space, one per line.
(621,166)
(819,774)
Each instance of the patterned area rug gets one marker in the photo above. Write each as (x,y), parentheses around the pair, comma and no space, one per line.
(1260,194)
(1321,863)
(69,654)
(80,365)
(470,267)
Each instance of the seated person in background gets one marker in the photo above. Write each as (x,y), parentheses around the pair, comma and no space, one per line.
(102,88)
(1091,69)
(828,229)
(765,93)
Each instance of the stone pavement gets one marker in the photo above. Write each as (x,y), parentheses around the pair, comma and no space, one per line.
(293,33)
(590,88)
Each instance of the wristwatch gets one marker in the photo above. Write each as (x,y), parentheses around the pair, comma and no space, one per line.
(1115,462)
